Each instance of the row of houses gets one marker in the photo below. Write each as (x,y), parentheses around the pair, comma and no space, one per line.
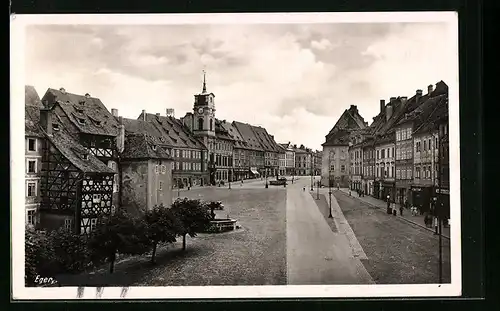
(82,160)
(402,156)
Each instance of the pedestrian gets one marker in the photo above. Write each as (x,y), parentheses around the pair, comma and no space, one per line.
(349,192)
(401,210)
(304,189)
(435,225)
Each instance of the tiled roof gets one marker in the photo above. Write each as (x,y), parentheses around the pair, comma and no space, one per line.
(235,135)
(31,97)
(88,114)
(133,126)
(337,138)
(75,152)
(32,121)
(248,135)
(433,110)
(266,141)
(142,146)
(178,135)
(350,119)
(220,131)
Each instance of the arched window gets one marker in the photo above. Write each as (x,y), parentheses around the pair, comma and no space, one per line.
(211,124)
(200,124)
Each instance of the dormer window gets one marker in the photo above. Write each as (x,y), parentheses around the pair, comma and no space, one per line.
(85,156)
(55,126)
(81,120)
(79,110)
(153,147)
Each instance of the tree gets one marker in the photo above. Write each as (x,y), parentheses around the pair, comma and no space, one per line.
(39,256)
(193,215)
(162,226)
(118,233)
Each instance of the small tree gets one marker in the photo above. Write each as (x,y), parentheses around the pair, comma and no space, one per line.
(70,250)
(193,215)
(120,233)
(162,227)
(39,256)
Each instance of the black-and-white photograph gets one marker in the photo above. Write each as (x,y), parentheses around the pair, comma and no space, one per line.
(237,150)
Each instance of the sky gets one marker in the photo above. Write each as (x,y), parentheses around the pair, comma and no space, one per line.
(293,79)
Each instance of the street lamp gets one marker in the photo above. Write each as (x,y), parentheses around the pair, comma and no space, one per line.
(178,188)
(267,186)
(229,177)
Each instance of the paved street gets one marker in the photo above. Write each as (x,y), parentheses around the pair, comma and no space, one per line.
(397,252)
(287,238)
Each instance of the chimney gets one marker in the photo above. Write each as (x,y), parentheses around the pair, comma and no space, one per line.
(417,97)
(404,99)
(120,140)
(430,88)
(46,120)
(157,114)
(143,115)
(170,112)
(354,108)
(382,105)
(114,112)
(388,111)
(87,95)
(62,90)
(392,99)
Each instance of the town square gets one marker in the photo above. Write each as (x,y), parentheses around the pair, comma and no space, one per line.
(198,161)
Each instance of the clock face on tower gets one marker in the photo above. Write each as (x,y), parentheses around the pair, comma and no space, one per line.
(200,110)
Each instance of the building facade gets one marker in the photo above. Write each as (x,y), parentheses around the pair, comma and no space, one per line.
(289,159)
(335,162)
(303,161)
(385,168)
(368,151)
(34,139)
(404,161)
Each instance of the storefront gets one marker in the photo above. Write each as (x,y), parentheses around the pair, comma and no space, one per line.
(388,189)
(402,192)
(443,196)
(421,197)
(376,189)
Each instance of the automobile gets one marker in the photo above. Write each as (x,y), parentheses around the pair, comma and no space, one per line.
(282,178)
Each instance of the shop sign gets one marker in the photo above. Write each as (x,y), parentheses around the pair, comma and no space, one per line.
(416,189)
(443,191)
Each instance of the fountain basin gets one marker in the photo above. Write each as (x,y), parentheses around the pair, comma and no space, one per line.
(221,225)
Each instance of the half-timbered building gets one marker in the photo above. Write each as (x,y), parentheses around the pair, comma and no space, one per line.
(76,187)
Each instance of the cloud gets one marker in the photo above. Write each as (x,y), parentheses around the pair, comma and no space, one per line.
(295,80)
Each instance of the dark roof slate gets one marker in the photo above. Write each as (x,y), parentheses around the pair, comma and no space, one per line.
(75,152)
(248,135)
(32,121)
(143,146)
(31,97)
(177,133)
(97,120)
(235,135)
(266,141)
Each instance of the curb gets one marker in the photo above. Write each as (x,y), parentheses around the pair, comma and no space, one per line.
(399,217)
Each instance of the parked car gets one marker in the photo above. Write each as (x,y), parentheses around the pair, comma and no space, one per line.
(282,178)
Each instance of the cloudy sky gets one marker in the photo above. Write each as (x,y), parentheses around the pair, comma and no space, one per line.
(293,79)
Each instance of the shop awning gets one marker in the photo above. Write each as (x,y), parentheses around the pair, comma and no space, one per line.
(254,172)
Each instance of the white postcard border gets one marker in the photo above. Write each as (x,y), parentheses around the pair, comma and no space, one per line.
(19,291)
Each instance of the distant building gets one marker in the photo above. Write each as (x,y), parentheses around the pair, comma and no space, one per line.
(289,159)
(335,163)
(146,173)
(33,154)
(303,161)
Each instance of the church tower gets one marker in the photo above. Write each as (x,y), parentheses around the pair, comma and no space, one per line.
(204,113)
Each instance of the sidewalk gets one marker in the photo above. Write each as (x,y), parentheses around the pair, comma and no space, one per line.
(416,220)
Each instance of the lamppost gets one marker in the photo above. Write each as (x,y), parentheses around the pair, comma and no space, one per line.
(178,188)
(311,173)
(267,186)
(330,182)
(230,177)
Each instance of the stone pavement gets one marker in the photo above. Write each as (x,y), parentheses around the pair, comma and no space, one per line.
(416,220)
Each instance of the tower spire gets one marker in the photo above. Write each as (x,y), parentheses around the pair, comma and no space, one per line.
(204,82)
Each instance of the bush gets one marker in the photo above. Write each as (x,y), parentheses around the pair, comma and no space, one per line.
(193,215)
(118,233)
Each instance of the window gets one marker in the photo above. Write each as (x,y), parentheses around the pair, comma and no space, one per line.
(398,174)
(408,174)
(392,152)
(177,153)
(200,124)
(31,166)
(392,171)
(430,146)
(68,224)
(425,145)
(96,198)
(55,126)
(163,169)
(211,124)
(332,167)
(31,189)
(31,144)
(156,169)
(153,147)
(30,217)
(160,186)
(81,121)
(93,224)
(436,143)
